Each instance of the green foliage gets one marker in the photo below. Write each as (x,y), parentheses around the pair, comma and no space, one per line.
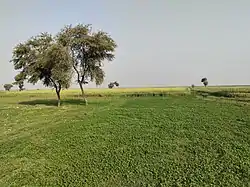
(57,67)
(88,50)
(116,84)
(42,58)
(204,81)
(20,85)
(19,80)
(148,141)
(7,87)
(112,84)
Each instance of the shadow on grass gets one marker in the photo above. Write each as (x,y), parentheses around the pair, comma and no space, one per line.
(53,102)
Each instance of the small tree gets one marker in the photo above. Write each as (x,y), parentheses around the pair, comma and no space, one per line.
(113,84)
(204,81)
(19,81)
(7,87)
(116,84)
(21,86)
(41,58)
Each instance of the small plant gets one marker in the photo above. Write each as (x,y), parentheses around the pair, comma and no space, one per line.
(7,87)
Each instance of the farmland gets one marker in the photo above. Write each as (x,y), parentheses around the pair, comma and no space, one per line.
(126,137)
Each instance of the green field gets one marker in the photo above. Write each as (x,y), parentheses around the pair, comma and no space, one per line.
(126,137)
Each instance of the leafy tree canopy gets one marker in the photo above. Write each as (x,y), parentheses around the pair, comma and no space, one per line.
(88,50)
(204,81)
(42,58)
(7,87)
(113,84)
(19,80)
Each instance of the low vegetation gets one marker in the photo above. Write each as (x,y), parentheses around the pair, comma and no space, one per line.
(124,141)
(19,81)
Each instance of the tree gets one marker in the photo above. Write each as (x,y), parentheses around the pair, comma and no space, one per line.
(204,81)
(21,86)
(116,84)
(88,50)
(42,58)
(19,80)
(112,84)
(7,87)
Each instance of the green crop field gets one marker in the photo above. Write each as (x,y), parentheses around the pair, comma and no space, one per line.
(126,137)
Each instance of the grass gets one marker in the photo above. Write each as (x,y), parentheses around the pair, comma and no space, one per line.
(123,141)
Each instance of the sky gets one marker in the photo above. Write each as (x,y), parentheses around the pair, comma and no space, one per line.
(160,42)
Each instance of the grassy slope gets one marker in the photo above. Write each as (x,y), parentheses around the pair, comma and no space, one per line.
(124,142)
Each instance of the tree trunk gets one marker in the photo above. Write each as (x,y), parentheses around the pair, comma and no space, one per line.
(58,90)
(83,94)
(58,98)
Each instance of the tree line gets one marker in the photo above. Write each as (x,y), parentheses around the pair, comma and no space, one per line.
(75,51)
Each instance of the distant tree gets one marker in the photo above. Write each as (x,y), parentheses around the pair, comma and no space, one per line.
(21,86)
(41,58)
(19,81)
(88,50)
(204,81)
(116,84)
(113,84)
(7,87)
(192,86)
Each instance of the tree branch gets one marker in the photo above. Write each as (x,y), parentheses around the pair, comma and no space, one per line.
(75,68)
(53,83)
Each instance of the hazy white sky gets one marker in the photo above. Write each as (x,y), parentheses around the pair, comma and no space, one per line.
(161,42)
